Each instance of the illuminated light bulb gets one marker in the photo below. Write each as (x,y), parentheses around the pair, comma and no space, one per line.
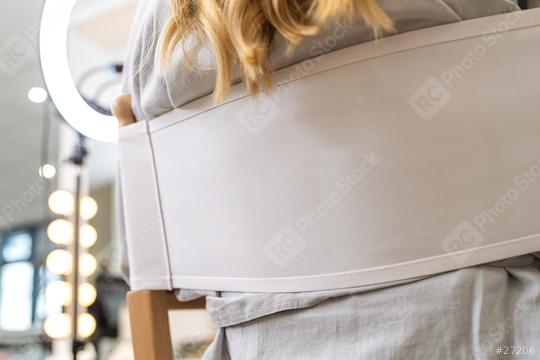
(62,202)
(37,95)
(86,325)
(58,326)
(88,236)
(89,208)
(47,171)
(87,294)
(58,293)
(59,262)
(60,232)
(87,264)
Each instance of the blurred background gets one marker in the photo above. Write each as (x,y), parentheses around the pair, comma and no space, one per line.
(37,196)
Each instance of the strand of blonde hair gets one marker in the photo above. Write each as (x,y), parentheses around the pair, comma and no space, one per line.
(240,32)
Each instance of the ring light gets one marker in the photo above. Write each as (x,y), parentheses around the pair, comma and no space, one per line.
(57,75)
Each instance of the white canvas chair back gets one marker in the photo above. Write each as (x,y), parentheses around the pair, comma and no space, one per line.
(393,159)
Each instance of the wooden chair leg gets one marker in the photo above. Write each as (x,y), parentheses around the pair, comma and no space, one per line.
(149,320)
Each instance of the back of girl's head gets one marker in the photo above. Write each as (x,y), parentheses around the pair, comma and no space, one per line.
(240,32)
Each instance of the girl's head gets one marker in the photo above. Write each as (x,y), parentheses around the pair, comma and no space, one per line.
(240,32)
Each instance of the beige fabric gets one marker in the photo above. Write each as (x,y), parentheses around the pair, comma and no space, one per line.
(155,94)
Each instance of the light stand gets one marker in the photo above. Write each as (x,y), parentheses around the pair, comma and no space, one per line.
(77,159)
(85,116)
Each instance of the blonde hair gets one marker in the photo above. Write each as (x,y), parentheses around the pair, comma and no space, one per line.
(240,32)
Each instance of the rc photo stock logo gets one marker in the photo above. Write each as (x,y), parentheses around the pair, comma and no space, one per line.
(469,234)
(17,206)
(465,236)
(17,50)
(430,98)
(289,241)
(285,245)
(256,115)
(436,92)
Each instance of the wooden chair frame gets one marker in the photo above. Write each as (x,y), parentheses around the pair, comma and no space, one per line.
(149,321)
(149,309)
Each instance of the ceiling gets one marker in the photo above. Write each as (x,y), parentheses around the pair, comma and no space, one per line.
(98,36)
